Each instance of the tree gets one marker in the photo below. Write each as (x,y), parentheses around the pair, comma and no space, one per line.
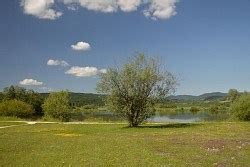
(233,94)
(134,88)
(27,96)
(56,105)
(240,108)
(1,96)
(16,108)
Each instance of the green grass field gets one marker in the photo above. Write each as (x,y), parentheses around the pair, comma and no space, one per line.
(202,144)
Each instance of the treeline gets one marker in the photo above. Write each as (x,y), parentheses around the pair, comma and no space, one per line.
(19,102)
(82,99)
(15,99)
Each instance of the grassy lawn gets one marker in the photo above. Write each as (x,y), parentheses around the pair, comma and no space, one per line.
(204,144)
(2,124)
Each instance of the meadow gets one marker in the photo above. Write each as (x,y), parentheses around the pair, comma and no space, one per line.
(64,144)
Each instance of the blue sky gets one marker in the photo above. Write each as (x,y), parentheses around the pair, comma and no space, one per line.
(204,43)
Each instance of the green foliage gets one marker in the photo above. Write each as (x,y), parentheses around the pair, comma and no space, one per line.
(179,110)
(214,109)
(167,105)
(241,107)
(27,96)
(233,94)
(194,110)
(1,96)
(16,108)
(82,99)
(134,88)
(56,105)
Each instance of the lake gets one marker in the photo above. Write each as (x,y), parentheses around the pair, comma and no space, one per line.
(157,118)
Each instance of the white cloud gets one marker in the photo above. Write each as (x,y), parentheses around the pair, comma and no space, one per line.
(84,71)
(154,9)
(103,71)
(72,7)
(30,82)
(40,8)
(81,46)
(57,63)
(128,5)
(107,6)
(161,9)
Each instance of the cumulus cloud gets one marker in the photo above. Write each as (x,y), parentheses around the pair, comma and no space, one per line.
(84,71)
(161,9)
(103,71)
(40,8)
(72,7)
(30,82)
(128,5)
(106,6)
(57,63)
(81,46)
(154,9)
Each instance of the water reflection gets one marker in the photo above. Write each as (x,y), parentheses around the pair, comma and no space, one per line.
(157,118)
(177,118)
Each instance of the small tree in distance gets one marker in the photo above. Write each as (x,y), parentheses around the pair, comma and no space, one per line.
(56,105)
(233,94)
(134,88)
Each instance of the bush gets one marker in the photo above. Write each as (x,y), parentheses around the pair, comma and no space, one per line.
(57,106)
(27,96)
(16,108)
(194,110)
(179,110)
(240,109)
(214,109)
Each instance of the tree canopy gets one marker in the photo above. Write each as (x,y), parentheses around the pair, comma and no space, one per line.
(56,105)
(134,88)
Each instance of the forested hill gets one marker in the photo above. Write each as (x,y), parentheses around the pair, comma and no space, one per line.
(80,99)
(204,97)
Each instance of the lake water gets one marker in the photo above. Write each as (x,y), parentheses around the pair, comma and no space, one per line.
(177,118)
(157,118)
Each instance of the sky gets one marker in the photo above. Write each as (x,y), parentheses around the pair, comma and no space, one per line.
(50,45)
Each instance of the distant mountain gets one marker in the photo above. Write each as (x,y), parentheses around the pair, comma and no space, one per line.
(204,97)
(183,97)
(212,96)
(80,99)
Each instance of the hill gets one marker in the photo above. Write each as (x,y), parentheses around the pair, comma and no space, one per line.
(204,97)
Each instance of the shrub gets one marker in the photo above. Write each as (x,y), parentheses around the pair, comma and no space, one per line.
(240,109)
(27,96)
(214,109)
(16,108)
(180,110)
(57,106)
(194,110)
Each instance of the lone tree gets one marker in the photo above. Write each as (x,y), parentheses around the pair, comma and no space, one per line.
(134,88)
(56,105)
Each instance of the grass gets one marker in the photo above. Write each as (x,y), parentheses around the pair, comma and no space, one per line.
(202,144)
(2,124)
(3,118)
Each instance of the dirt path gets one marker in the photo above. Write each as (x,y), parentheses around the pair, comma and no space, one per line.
(65,123)
(69,123)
